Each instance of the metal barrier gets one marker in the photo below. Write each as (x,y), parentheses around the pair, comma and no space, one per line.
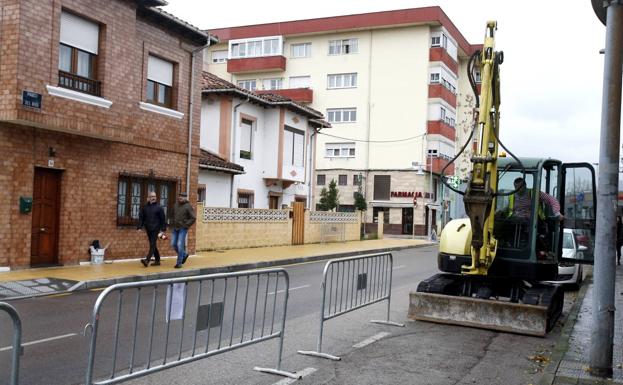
(235,309)
(353,283)
(17,341)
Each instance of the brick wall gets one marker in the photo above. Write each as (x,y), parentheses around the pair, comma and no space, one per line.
(93,144)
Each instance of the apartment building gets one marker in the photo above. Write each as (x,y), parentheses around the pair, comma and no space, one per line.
(264,144)
(393,86)
(94,114)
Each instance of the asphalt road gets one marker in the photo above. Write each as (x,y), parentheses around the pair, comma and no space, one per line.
(421,353)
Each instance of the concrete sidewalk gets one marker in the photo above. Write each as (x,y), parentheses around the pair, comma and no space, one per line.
(42,281)
(570,361)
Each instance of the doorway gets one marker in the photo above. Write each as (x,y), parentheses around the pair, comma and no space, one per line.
(407,220)
(45,217)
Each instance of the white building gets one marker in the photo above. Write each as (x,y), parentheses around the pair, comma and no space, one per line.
(393,86)
(257,148)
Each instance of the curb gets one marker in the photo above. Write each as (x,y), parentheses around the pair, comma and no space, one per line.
(96,284)
(562,343)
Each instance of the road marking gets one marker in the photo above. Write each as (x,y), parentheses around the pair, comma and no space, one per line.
(370,340)
(40,341)
(291,289)
(302,373)
(399,267)
(97,289)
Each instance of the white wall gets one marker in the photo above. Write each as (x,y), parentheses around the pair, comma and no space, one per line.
(210,123)
(218,186)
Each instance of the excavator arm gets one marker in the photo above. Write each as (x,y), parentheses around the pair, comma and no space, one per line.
(480,194)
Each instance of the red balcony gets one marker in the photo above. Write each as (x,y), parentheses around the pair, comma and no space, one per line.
(440,54)
(438,164)
(302,95)
(439,91)
(256,64)
(439,127)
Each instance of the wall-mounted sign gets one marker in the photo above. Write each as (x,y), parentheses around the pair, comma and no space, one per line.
(409,194)
(31,99)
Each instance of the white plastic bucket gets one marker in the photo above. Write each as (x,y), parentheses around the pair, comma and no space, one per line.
(97,256)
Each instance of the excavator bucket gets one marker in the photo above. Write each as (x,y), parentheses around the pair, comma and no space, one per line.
(485,314)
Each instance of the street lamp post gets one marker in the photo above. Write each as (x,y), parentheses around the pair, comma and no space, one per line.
(602,331)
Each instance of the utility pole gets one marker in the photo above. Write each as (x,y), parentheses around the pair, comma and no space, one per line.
(610,12)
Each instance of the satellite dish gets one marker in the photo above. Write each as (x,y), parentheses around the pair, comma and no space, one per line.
(600,10)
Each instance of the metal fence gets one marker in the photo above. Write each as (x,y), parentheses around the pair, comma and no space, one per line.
(351,283)
(16,350)
(155,325)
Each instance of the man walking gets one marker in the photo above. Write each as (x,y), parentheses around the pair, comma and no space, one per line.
(151,217)
(182,217)
(619,239)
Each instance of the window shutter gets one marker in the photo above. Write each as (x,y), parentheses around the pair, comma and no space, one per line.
(299,150)
(288,147)
(160,71)
(245,133)
(382,187)
(79,33)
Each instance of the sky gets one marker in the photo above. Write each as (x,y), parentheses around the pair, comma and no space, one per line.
(551,78)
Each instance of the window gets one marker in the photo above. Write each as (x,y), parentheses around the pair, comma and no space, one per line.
(357,179)
(477,76)
(375,214)
(159,81)
(342,115)
(345,208)
(434,78)
(382,184)
(294,147)
(246,136)
(267,46)
(343,47)
(77,54)
(340,150)
(301,50)
(440,39)
(250,85)
(342,180)
(342,81)
(132,195)
(201,194)
(321,179)
(245,200)
(219,56)
(300,81)
(272,84)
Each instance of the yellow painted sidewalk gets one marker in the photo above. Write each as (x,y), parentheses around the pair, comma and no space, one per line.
(212,259)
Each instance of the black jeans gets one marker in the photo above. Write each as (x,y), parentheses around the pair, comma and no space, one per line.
(153,246)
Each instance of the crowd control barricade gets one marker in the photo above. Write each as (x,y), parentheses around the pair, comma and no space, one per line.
(16,350)
(351,283)
(144,327)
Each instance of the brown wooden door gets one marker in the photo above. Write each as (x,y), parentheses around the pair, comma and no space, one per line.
(45,217)
(298,223)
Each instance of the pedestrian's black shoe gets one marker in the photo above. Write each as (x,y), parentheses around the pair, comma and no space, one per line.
(155,263)
(178,266)
(144,262)
(184,259)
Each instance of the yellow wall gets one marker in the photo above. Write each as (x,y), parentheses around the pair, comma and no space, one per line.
(215,235)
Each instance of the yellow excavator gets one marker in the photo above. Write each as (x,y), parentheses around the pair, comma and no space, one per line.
(496,263)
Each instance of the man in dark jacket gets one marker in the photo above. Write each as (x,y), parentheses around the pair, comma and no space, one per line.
(181,218)
(151,217)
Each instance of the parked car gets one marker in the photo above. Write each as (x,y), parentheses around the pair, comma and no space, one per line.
(570,273)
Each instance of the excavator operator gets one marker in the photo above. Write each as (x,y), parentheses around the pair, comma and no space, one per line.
(520,203)
(519,210)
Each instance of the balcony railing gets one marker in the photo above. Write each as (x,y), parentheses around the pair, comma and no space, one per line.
(79,83)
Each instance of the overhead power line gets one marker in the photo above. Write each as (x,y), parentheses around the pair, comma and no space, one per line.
(373,141)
